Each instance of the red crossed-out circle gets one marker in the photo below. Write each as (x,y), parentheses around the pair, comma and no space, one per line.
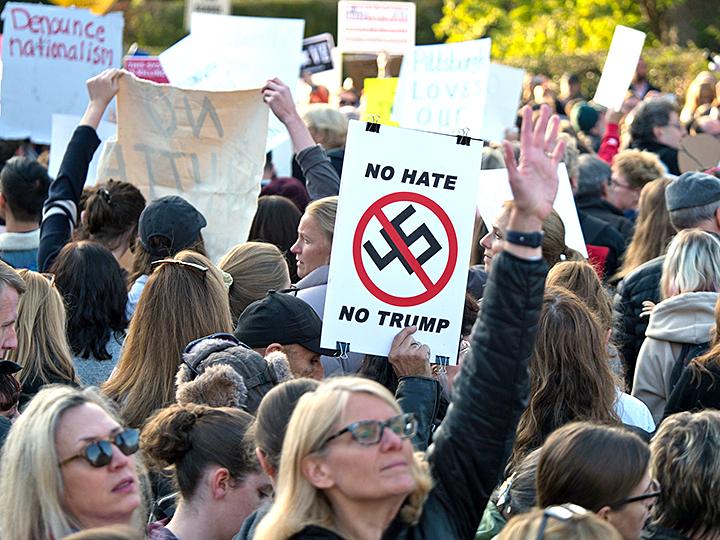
(431,289)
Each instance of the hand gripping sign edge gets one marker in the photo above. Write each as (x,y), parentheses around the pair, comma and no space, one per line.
(374,210)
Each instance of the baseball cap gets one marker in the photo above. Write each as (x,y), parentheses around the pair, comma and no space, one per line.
(284,319)
(172,218)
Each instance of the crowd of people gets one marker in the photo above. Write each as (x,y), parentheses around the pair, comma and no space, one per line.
(148,392)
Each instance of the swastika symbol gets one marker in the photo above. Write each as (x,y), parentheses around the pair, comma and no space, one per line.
(408,239)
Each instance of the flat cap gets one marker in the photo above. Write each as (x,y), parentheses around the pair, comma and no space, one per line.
(692,189)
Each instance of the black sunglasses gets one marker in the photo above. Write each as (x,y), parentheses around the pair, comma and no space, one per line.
(369,432)
(100,453)
(652,493)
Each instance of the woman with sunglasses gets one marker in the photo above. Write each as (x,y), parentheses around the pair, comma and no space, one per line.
(604,469)
(68,465)
(348,469)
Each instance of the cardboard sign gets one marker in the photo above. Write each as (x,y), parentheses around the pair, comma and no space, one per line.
(146,67)
(444,87)
(48,53)
(317,54)
(495,190)
(504,90)
(98,7)
(208,147)
(620,64)
(215,7)
(376,26)
(63,127)
(401,245)
(236,53)
(379,95)
(699,153)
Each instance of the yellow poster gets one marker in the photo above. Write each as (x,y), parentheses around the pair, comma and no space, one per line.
(379,96)
(98,7)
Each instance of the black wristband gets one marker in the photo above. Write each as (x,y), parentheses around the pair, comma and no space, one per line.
(525,239)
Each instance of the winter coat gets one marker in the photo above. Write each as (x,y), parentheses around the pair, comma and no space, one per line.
(696,390)
(471,446)
(685,318)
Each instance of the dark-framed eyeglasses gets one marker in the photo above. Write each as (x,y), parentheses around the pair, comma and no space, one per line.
(653,492)
(186,264)
(369,432)
(562,513)
(100,453)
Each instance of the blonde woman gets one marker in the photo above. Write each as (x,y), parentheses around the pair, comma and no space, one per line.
(348,469)
(684,318)
(256,268)
(68,465)
(42,350)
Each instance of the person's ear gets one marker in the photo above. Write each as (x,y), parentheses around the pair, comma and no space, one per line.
(273,347)
(265,464)
(317,472)
(220,482)
(604,513)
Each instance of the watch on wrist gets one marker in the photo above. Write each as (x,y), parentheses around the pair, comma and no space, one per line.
(525,239)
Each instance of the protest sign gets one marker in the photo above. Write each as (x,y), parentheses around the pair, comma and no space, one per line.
(236,53)
(208,147)
(63,126)
(620,64)
(98,7)
(504,89)
(48,53)
(401,243)
(373,27)
(216,7)
(146,67)
(317,54)
(379,95)
(495,190)
(443,87)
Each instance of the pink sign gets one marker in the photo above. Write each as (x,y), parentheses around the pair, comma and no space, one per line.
(146,67)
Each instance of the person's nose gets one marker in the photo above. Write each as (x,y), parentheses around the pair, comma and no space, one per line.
(10,342)
(390,440)
(486,241)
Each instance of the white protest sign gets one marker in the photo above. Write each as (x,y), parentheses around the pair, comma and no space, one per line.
(63,127)
(402,238)
(225,53)
(208,147)
(373,27)
(504,90)
(217,7)
(620,64)
(443,87)
(495,190)
(48,53)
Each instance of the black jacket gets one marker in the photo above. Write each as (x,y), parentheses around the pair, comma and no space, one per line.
(641,284)
(604,211)
(695,390)
(668,155)
(472,445)
(600,233)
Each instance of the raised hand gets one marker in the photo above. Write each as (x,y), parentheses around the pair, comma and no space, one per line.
(277,95)
(101,89)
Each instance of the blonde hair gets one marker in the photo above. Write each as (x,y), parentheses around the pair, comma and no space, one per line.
(638,167)
(581,278)
(317,415)
(42,350)
(692,264)
(328,122)
(31,487)
(178,305)
(324,211)
(704,79)
(256,267)
(579,527)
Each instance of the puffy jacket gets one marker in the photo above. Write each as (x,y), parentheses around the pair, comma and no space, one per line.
(641,284)
(472,445)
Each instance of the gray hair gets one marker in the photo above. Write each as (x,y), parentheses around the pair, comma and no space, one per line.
(492,158)
(692,264)
(688,218)
(9,276)
(593,172)
(649,115)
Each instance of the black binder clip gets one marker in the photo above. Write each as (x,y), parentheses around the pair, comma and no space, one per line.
(463,139)
(372,125)
(343,348)
(442,360)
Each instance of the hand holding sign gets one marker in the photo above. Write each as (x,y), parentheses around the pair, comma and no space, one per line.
(534,182)
(278,97)
(102,89)
(409,358)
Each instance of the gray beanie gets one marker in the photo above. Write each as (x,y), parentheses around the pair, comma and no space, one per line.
(692,189)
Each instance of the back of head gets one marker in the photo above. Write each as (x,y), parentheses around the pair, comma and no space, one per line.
(693,200)
(256,268)
(580,526)
(43,350)
(554,249)
(9,277)
(273,416)
(568,470)
(24,184)
(111,532)
(650,114)
(290,188)
(517,494)
(593,174)
(324,212)
(581,278)
(180,303)
(275,222)
(328,125)
(111,213)
(191,437)
(686,464)
(92,285)
(692,264)
(638,167)
(31,490)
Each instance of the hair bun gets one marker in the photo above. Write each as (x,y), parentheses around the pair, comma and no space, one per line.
(167,436)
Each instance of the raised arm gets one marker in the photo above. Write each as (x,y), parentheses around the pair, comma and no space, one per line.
(60,213)
(474,441)
(322,179)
